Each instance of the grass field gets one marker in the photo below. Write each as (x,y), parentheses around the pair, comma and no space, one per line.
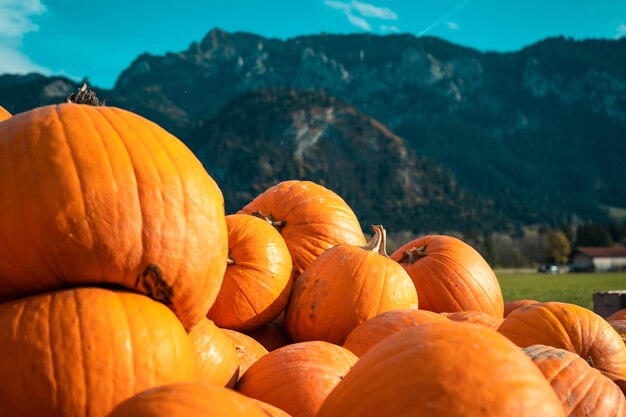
(570,288)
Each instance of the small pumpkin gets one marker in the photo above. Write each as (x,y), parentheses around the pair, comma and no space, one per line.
(297,378)
(216,355)
(573,328)
(344,287)
(189,400)
(515,304)
(248,349)
(443,369)
(620,327)
(100,195)
(372,331)
(618,315)
(582,390)
(257,282)
(450,276)
(476,317)
(310,217)
(4,114)
(80,352)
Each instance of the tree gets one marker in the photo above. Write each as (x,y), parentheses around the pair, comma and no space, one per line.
(557,246)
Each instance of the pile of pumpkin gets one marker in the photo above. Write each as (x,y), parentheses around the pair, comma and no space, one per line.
(126,291)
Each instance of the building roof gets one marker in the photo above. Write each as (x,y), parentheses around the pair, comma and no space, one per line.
(602,251)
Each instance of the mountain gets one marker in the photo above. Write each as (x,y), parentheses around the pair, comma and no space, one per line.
(537,134)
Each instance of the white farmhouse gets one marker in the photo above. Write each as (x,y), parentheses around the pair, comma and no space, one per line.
(599,259)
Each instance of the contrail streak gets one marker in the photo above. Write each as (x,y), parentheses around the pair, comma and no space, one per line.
(445,16)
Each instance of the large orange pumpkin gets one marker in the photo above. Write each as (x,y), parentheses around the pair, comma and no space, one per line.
(101,195)
(573,328)
(297,378)
(476,317)
(80,352)
(583,390)
(344,287)
(4,114)
(450,276)
(310,217)
(248,349)
(443,369)
(270,410)
(372,331)
(189,400)
(257,282)
(216,355)
(515,304)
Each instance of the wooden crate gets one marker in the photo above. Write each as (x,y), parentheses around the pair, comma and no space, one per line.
(608,302)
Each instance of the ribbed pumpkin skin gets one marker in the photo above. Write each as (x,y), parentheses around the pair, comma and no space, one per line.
(372,331)
(451,276)
(620,327)
(270,410)
(344,287)
(618,315)
(573,328)
(475,317)
(443,369)
(189,400)
(248,349)
(582,390)
(4,114)
(80,352)
(316,219)
(515,304)
(96,195)
(257,285)
(297,378)
(216,356)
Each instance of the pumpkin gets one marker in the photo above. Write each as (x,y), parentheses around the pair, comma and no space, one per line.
(344,287)
(620,327)
(310,217)
(4,114)
(273,335)
(582,390)
(80,352)
(476,317)
(372,331)
(515,304)
(618,315)
(573,328)
(248,349)
(443,369)
(189,400)
(450,276)
(100,195)
(216,355)
(257,282)
(270,410)
(297,378)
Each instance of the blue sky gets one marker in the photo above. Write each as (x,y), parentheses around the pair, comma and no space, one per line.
(99,38)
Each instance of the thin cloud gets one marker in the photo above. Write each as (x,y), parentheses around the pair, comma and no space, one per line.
(445,17)
(356,12)
(452,25)
(392,28)
(620,31)
(13,61)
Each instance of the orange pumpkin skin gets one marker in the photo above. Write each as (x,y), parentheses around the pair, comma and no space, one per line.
(620,327)
(344,287)
(573,328)
(476,317)
(311,219)
(450,276)
(515,304)
(216,356)
(80,352)
(248,349)
(372,331)
(188,400)
(257,282)
(297,378)
(271,410)
(4,114)
(443,369)
(273,335)
(618,315)
(94,195)
(582,390)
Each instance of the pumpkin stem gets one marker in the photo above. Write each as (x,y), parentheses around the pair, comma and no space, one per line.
(85,95)
(378,243)
(590,361)
(413,255)
(278,224)
(229,260)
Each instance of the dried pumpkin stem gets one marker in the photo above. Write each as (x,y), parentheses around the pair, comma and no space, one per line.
(85,95)
(378,243)
(278,224)
(413,255)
